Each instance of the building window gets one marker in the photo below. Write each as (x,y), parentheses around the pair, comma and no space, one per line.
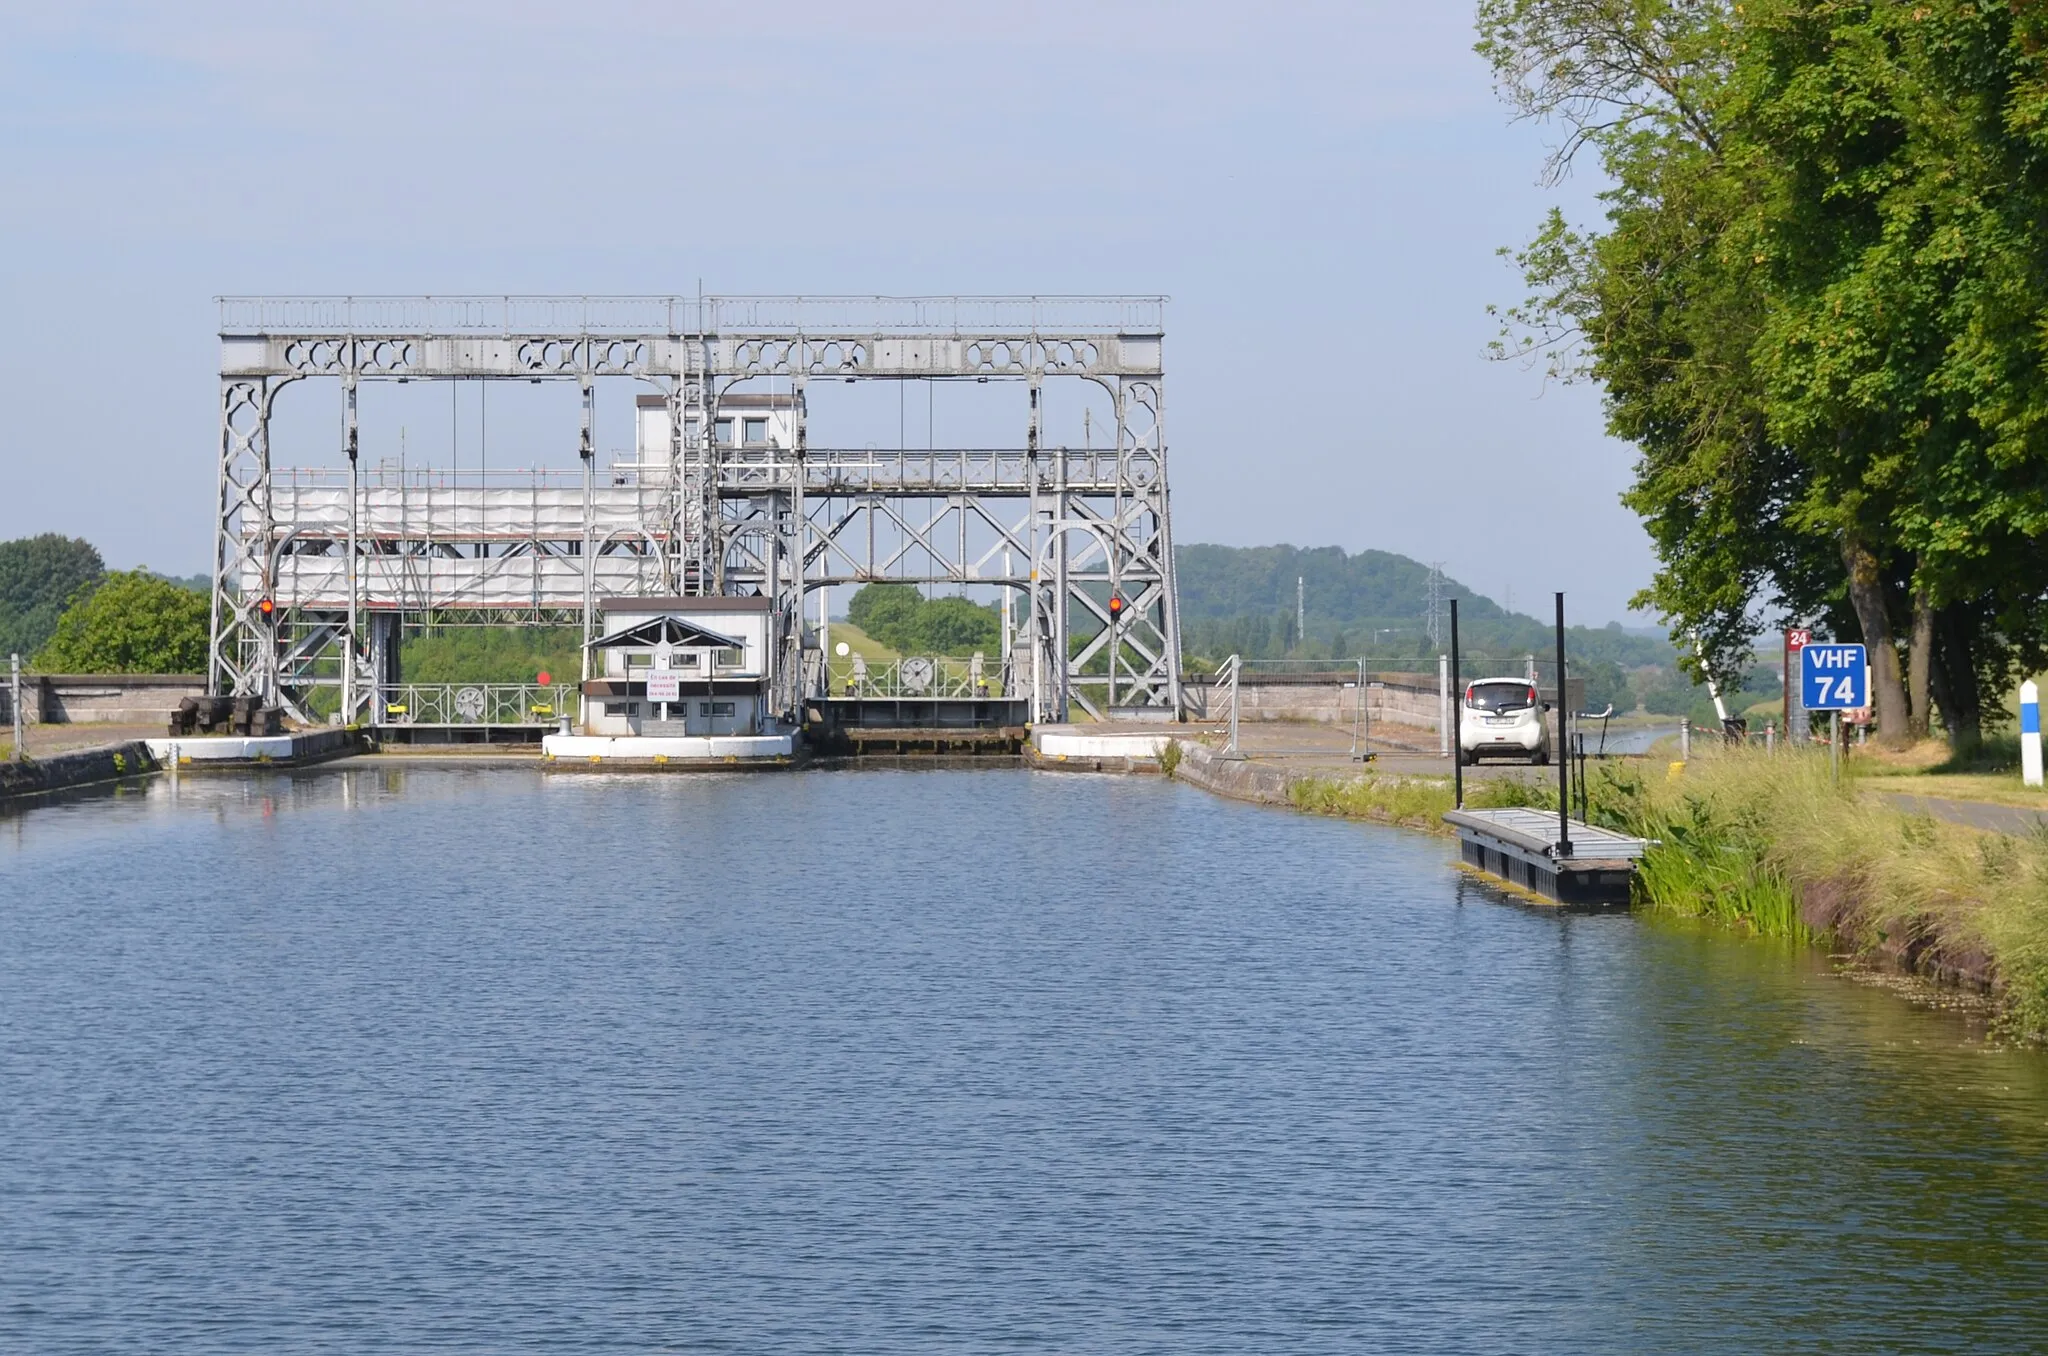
(756,432)
(689,659)
(724,427)
(723,708)
(731,659)
(639,661)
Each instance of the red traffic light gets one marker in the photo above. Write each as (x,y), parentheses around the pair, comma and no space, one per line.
(266,608)
(1116,605)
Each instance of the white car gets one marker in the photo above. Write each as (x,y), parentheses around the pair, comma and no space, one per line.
(1503,717)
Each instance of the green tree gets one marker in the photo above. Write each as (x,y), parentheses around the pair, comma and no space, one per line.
(1897,222)
(885,611)
(1817,311)
(133,622)
(1659,309)
(956,626)
(39,577)
(900,617)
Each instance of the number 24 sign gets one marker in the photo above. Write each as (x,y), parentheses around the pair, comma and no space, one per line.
(1833,678)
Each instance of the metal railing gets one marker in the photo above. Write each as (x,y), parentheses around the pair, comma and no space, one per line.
(479,704)
(15,721)
(918,677)
(1228,675)
(508,315)
(1347,677)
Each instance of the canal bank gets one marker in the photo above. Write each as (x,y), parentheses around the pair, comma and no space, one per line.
(73,769)
(1768,845)
(78,768)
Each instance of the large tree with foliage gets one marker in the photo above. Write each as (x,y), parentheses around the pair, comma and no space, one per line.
(1816,309)
(904,619)
(133,622)
(1898,224)
(39,577)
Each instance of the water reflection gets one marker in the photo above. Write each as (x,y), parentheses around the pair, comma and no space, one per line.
(382,1059)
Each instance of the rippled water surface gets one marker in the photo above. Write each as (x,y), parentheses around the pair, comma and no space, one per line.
(486,1061)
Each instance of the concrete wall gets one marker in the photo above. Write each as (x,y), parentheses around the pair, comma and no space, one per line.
(619,717)
(83,768)
(1237,779)
(1405,699)
(100,699)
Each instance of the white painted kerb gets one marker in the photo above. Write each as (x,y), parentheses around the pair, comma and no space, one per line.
(211,748)
(1066,743)
(647,748)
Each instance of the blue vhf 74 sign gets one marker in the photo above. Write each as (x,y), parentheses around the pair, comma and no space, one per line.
(1834,678)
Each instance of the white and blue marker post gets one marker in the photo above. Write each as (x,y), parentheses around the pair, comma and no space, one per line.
(1834,678)
(2030,733)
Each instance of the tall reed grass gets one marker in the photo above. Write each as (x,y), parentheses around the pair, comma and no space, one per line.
(1770,843)
(1414,802)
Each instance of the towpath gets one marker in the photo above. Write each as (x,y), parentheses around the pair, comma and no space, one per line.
(1976,814)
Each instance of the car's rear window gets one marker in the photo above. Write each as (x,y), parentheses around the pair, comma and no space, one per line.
(1500,696)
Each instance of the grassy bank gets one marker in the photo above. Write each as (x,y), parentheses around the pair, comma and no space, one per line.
(1770,845)
(1412,802)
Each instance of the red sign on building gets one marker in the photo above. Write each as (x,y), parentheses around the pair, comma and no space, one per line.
(1793,718)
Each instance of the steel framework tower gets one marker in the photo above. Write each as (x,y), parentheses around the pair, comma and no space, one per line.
(1433,606)
(346,556)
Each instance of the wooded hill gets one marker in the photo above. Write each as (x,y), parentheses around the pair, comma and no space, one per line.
(1234,600)
(1241,600)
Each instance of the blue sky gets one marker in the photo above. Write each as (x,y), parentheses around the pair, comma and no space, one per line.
(1320,188)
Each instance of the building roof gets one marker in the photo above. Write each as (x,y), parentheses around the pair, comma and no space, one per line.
(709,603)
(666,630)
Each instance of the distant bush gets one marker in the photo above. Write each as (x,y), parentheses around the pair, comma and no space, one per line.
(898,616)
(39,578)
(1672,695)
(132,622)
(492,654)
(884,607)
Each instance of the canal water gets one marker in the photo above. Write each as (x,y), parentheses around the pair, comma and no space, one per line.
(487,1061)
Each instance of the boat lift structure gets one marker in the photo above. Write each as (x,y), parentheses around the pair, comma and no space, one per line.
(317,571)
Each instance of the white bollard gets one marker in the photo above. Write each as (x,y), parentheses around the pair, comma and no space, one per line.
(1685,740)
(2030,733)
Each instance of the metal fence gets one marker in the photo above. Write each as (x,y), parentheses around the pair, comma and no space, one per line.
(478,704)
(1236,673)
(928,677)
